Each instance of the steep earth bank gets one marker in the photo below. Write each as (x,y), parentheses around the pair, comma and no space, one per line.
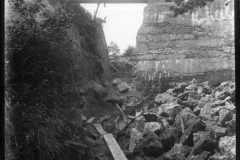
(57,75)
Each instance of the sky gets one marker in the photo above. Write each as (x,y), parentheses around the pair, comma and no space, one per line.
(123,22)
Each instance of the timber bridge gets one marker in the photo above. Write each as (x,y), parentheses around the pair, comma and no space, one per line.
(108,1)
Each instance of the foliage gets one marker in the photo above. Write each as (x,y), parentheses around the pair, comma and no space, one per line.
(113,49)
(186,6)
(39,115)
(129,51)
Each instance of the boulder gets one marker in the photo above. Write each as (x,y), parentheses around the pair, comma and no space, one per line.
(164,98)
(116,81)
(207,99)
(193,96)
(187,118)
(199,90)
(205,143)
(183,96)
(224,89)
(230,107)
(231,126)
(218,156)
(227,146)
(172,109)
(182,86)
(169,137)
(224,116)
(194,81)
(177,151)
(218,103)
(187,109)
(189,104)
(197,110)
(202,156)
(206,111)
(197,136)
(163,121)
(169,120)
(201,104)
(206,90)
(152,127)
(187,136)
(150,145)
(150,117)
(218,131)
(209,125)
(191,87)
(123,87)
(134,138)
(222,95)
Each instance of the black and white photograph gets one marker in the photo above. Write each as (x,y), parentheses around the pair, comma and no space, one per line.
(120,79)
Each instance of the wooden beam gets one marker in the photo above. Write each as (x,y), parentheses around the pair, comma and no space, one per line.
(108,1)
(99,128)
(112,144)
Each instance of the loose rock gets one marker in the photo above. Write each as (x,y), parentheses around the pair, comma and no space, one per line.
(227,146)
(187,136)
(123,87)
(150,145)
(224,116)
(205,143)
(177,151)
(135,136)
(172,109)
(202,156)
(218,156)
(152,127)
(164,98)
(169,137)
(187,118)
(150,117)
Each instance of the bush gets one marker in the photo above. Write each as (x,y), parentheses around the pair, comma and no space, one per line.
(129,51)
(113,49)
(186,6)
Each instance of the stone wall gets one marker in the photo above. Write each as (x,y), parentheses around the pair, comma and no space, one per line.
(189,44)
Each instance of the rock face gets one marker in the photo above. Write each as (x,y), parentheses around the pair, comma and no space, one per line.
(195,44)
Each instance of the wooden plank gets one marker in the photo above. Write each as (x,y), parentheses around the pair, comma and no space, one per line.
(113,146)
(99,128)
(76,144)
(108,1)
(90,120)
(102,118)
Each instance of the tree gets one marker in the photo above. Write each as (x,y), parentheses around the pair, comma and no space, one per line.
(129,51)
(113,49)
(184,6)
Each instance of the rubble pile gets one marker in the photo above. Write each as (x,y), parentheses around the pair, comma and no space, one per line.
(191,121)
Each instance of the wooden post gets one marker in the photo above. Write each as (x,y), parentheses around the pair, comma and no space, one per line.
(97,9)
